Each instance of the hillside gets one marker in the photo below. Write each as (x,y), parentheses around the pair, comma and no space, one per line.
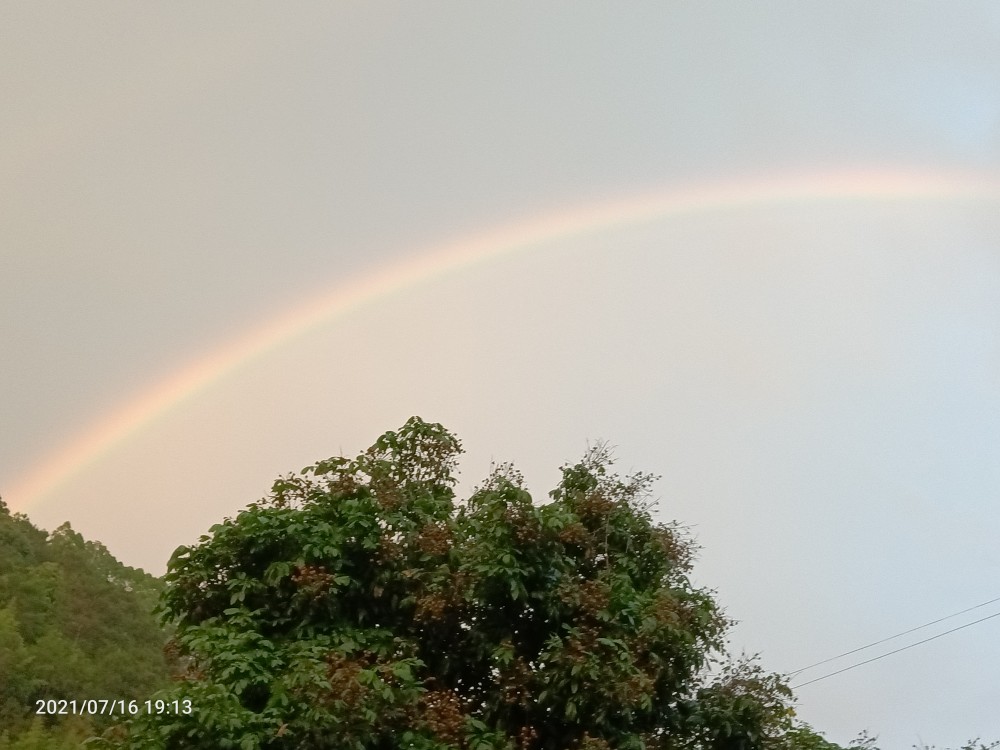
(75,624)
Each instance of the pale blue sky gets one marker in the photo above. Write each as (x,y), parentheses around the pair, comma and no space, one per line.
(817,382)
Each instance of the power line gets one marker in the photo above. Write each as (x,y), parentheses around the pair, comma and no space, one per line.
(893,637)
(904,648)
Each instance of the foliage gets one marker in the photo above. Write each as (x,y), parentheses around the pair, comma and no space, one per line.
(74,624)
(973,744)
(362,607)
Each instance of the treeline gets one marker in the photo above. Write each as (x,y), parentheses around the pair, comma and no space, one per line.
(75,624)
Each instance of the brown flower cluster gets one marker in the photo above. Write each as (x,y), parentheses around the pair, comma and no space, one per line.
(390,549)
(595,596)
(312,579)
(669,610)
(434,539)
(575,534)
(178,663)
(342,675)
(526,738)
(172,650)
(636,687)
(441,714)
(582,644)
(673,545)
(387,493)
(593,743)
(594,506)
(515,683)
(343,483)
(524,525)
(431,607)
(590,597)
(444,598)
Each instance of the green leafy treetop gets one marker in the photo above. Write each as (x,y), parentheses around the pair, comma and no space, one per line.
(361,607)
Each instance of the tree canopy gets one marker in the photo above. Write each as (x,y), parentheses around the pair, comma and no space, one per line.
(361,606)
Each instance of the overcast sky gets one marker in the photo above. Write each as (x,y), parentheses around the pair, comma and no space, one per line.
(814,376)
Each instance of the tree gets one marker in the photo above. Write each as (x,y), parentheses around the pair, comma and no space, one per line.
(362,607)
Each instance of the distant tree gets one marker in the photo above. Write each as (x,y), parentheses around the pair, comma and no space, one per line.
(361,607)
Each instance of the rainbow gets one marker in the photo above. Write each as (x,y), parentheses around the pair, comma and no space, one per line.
(431,262)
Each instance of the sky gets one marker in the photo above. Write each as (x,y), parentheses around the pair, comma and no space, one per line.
(756,247)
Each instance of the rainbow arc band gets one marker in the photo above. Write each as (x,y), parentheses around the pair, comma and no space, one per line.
(855,185)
